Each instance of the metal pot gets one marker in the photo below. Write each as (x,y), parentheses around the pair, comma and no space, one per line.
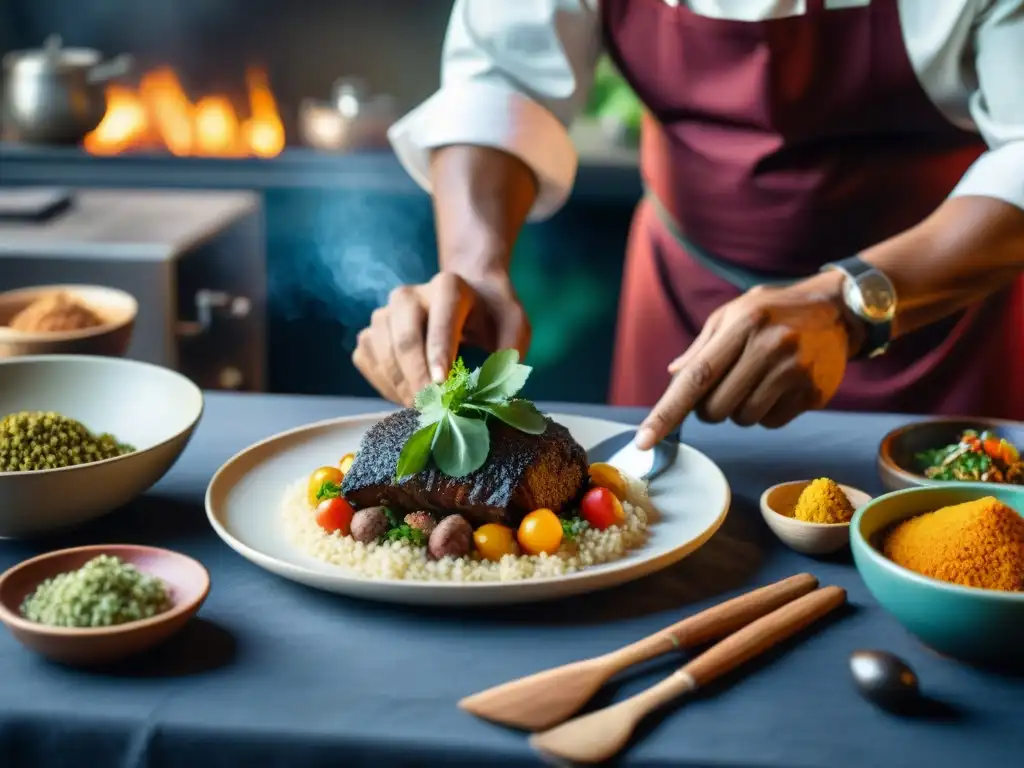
(56,95)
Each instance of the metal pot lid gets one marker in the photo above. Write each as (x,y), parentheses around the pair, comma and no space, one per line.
(52,57)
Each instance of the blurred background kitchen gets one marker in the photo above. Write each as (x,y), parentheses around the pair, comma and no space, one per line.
(224,161)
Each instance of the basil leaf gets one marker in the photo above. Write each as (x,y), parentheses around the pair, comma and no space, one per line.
(416,452)
(462,444)
(428,403)
(519,414)
(328,490)
(501,377)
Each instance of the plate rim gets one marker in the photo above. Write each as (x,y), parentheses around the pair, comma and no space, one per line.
(280,566)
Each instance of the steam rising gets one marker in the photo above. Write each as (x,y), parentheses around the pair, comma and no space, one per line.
(360,247)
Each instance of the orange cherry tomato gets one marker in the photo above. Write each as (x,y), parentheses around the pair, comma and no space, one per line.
(994,448)
(494,541)
(607,476)
(345,464)
(335,515)
(318,478)
(602,509)
(540,531)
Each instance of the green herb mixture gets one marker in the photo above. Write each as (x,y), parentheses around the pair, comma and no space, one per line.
(34,440)
(104,592)
(453,415)
(974,457)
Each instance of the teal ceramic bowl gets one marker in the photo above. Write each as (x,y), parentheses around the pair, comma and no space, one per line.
(978,626)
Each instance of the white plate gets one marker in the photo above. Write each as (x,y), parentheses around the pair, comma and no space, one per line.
(243,504)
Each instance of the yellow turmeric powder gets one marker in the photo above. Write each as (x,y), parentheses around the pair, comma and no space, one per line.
(976,544)
(823,501)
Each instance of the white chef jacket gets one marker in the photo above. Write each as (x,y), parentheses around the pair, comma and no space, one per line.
(515,73)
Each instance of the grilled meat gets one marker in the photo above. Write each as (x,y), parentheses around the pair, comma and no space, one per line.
(523,472)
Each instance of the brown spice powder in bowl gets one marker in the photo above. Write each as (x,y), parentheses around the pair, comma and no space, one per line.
(55,313)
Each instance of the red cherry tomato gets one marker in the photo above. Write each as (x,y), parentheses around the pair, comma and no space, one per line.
(335,515)
(602,509)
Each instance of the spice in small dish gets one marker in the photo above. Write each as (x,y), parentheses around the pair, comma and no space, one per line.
(104,592)
(976,544)
(53,313)
(823,501)
(34,440)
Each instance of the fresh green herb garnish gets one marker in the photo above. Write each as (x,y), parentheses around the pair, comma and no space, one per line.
(574,526)
(453,415)
(405,532)
(328,490)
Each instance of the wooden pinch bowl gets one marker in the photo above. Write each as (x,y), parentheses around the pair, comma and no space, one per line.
(777,505)
(186,579)
(116,308)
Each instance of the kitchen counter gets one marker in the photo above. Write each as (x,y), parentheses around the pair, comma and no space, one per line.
(275,674)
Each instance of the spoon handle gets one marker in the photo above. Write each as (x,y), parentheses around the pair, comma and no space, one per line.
(741,646)
(715,622)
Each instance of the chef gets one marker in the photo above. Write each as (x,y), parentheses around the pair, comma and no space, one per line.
(834,210)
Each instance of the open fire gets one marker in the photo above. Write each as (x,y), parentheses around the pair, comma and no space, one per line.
(159,115)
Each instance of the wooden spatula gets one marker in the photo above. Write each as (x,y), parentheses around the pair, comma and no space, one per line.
(598,736)
(547,698)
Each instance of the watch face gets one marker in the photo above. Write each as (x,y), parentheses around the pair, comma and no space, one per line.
(877,299)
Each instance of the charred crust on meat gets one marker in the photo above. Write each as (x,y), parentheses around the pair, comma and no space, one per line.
(523,472)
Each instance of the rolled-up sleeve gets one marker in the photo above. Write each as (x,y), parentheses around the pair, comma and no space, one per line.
(514,74)
(997,104)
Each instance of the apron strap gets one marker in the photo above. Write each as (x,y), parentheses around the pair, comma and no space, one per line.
(739,277)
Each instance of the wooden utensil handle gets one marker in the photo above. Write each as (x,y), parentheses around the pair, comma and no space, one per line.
(760,635)
(739,647)
(718,621)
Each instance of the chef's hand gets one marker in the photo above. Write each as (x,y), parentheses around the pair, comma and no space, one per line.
(413,340)
(763,358)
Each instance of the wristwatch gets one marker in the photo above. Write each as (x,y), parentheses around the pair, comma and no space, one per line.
(871,297)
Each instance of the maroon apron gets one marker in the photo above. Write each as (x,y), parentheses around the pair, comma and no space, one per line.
(779,146)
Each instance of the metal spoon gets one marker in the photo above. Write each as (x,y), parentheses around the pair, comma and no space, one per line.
(664,452)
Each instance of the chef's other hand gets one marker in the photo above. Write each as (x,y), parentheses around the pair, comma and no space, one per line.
(763,358)
(413,339)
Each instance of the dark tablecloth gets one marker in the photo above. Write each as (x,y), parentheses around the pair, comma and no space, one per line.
(275,674)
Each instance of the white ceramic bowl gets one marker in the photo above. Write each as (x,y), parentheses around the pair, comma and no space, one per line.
(116,308)
(777,504)
(152,408)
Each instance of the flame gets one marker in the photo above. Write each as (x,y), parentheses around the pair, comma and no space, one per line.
(159,114)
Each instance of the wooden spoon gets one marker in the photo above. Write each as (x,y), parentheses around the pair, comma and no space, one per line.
(598,736)
(544,699)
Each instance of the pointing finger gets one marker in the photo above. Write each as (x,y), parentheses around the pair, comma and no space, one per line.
(690,385)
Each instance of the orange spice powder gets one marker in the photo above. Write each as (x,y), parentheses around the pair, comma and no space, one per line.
(976,544)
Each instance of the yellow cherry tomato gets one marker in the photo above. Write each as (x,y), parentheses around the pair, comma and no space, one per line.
(540,531)
(318,478)
(607,476)
(494,541)
(345,464)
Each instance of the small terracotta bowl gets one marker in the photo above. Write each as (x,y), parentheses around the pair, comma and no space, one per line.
(116,308)
(777,505)
(187,580)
